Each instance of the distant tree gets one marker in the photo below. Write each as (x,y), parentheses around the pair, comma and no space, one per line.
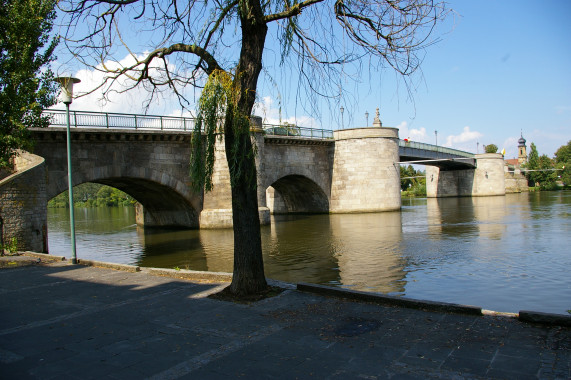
(563,154)
(563,162)
(491,148)
(413,181)
(540,169)
(26,85)
(532,164)
(405,173)
(546,176)
(93,195)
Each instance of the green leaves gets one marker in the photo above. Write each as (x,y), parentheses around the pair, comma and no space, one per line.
(491,148)
(217,106)
(26,85)
(211,110)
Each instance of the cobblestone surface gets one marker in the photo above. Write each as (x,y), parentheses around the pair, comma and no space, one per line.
(62,321)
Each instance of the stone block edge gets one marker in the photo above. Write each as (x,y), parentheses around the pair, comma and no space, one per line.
(189,274)
(545,318)
(101,264)
(390,300)
(44,256)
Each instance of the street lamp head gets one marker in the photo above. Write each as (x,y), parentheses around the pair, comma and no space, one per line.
(66,84)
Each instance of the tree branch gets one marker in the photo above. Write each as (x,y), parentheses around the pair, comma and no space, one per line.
(200,52)
(293,11)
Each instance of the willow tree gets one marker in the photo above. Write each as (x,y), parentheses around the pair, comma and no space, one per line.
(219,46)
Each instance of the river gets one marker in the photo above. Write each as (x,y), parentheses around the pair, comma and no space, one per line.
(501,253)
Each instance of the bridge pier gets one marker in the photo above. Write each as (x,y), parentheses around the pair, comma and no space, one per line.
(365,177)
(487,179)
(23,204)
(217,206)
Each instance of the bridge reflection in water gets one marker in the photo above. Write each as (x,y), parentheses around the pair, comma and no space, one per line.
(502,253)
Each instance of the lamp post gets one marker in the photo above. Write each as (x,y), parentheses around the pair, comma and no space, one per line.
(342,124)
(436,137)
(367,118)
(66,84)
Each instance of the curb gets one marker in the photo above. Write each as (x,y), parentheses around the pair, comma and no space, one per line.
(43,256)
(189,274)
(545,318)
(390,300)
(101,264)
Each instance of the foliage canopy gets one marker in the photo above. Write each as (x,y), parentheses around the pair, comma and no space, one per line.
(26,85)
(491,148)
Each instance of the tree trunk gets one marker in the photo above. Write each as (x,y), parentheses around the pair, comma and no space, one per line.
(248,275)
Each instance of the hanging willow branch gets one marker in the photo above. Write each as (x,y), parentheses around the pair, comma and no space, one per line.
(211,108)
(217,100)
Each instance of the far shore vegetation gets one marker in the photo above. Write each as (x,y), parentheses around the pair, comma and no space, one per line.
(413,182)
(93,195)
(544,173)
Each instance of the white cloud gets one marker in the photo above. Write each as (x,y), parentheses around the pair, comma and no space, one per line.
(271,115)
(117,100)
(466,140)
(91,98)
(412,134)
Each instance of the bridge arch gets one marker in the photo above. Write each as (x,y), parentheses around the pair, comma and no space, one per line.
(150,165)
(163,200)
(296,194)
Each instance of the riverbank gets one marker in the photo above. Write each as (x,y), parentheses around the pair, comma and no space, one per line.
(75,321)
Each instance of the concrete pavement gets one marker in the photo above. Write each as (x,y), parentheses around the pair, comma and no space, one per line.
(61,321)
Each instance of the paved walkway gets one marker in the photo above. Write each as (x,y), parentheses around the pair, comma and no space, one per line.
(61,321)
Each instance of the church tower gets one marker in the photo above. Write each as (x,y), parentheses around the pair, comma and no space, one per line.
(522,153)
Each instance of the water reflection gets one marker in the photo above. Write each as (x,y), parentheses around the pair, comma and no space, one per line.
(300,247)
(181,249)
(490,214)
(368,251)
(503,253)
(451,217)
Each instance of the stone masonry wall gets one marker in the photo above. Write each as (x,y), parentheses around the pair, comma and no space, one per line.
(217,207)
(489,178)
(486,180)
(151,166)
(365,177)
(23,204)
(299,173)
(515,181)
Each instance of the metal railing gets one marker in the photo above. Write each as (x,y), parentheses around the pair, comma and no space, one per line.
(295,131)
(88,119)
(434,148)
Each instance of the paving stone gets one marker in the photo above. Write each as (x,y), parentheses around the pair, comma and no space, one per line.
(135,325)
(521,365)
(467,365)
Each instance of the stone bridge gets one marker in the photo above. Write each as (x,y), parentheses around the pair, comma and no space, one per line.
(299,170)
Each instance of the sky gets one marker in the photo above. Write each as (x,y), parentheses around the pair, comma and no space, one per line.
(500,70)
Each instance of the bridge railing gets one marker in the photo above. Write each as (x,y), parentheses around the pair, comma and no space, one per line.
(295,131)
(88,119)
(92,119)
(434,148)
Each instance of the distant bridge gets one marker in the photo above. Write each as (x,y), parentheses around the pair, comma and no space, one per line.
(300,170)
